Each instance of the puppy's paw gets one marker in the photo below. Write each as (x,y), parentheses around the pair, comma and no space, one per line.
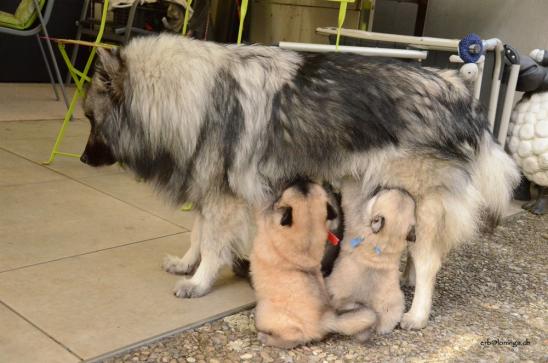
(350,306)
(364,336)
(178,266)
(269,340)
(411,321)
(185,288)
(384,329)
(264,338)
(388,321)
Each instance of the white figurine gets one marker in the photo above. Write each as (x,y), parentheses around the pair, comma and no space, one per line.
(528,144)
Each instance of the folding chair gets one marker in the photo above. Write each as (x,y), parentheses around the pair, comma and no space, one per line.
(21,24)
(79,79)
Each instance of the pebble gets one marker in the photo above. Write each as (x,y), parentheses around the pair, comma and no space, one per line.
(266,357)
(491,288)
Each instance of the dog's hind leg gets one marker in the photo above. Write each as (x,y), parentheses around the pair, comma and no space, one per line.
(222,231)
(427,256)
(408,275)
(189,262)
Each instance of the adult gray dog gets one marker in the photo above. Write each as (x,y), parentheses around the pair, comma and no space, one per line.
(225,127)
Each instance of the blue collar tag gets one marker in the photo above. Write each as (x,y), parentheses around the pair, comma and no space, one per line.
(377,250)
(356,242)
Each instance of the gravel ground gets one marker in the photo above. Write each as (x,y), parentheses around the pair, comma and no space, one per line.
(489,293)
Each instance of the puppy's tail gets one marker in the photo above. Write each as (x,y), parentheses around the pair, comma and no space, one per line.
(495,175)
(350,323)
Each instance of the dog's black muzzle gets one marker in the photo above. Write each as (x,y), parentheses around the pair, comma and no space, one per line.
(97,153)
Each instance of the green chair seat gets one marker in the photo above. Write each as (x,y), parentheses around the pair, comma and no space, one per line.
(24,16)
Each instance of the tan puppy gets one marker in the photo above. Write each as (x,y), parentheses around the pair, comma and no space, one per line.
(367,270)
(292,302)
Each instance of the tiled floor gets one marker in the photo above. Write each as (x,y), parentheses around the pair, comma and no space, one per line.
(32,102)
(80,248)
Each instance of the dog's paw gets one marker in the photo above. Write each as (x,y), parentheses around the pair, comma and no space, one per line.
(185,288)
(410,321)
(176,265)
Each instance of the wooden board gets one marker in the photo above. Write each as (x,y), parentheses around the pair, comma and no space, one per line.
(272,22)
(83,43)
(314,3)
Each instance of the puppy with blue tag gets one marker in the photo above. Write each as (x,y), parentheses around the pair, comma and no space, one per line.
(292,301)
(366,272)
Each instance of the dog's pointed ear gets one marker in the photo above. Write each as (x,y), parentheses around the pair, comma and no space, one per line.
(331,214)
(109,62)
(411,236)
(287,217)
(109,69)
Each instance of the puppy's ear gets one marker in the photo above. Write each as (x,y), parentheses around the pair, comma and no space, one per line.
(109,68)
(411,236)
(287,217)
(331,214)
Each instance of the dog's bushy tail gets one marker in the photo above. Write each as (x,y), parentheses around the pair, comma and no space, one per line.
(495,176)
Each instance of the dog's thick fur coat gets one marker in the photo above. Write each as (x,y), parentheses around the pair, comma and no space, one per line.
(292,303)
(224,127)
(363,276)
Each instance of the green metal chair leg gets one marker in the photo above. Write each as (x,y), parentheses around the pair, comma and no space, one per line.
(243,12)
(55,151)
(187,16)
(79,82)
(187,207)
(342,15)
(79,79)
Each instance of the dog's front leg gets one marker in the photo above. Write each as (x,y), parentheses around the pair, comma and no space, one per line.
(223,227)
(215,253)
(188,263)
(426,255)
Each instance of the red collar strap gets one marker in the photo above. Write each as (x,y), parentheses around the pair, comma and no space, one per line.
(332,238)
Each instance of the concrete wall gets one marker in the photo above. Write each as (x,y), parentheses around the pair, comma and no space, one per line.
(394,17)
(520,23)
